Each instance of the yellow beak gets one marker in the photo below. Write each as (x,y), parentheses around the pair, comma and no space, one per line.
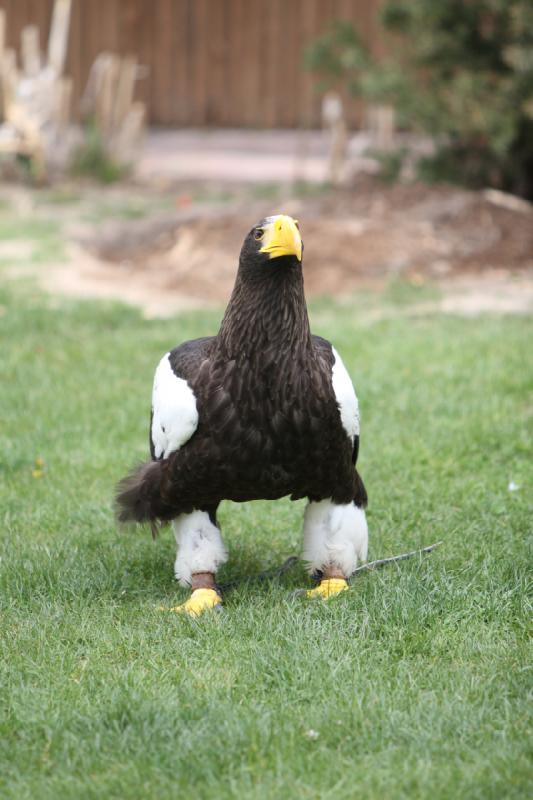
(282,237)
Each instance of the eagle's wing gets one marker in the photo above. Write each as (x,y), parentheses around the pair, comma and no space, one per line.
(347,404)
(343,389)
(174,412)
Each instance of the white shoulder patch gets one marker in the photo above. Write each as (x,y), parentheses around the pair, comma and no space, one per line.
(346,397)
(175,416)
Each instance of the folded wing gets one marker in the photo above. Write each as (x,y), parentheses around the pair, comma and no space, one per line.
(174,412)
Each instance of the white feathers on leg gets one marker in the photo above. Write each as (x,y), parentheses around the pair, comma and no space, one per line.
(200,546)
(334,536)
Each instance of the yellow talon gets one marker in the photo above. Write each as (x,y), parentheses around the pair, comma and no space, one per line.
(328,587)
(200,600)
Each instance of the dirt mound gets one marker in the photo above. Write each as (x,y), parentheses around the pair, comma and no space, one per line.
(351,237)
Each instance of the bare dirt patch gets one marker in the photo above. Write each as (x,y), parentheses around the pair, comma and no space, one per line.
(353,238)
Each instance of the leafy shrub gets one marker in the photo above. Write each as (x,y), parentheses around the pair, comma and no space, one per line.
(459,71)
(91,159)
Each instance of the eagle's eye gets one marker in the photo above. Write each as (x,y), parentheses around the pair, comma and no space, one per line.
(258,234)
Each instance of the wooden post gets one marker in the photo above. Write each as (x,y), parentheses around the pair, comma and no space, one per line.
(58,39)
(2,35)
(35,103)
(64,102)
(129,136)
(105,101)
(2,56)
(333,118)
(381,125)
(31,54)
(125,89)
(108,98)
(9,75)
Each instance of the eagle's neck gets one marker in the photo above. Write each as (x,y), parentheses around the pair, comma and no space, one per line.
(266,317)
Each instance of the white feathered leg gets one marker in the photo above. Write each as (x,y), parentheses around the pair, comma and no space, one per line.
(200,553)
(335,540)
(200,546)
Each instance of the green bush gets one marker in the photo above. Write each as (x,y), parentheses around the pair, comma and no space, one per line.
(461,72)
(91,159)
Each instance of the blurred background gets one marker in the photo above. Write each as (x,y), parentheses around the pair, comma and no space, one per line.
(154,133)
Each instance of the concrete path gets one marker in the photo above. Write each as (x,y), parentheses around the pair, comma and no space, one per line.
(241,155)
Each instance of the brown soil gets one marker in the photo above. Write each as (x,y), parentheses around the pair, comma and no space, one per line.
(361,236)
(365,235)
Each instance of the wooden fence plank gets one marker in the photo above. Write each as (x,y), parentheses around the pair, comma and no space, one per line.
(180,60)
(162,83)
(211,62)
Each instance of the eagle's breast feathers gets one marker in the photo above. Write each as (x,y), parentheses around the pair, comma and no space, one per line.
(175,412)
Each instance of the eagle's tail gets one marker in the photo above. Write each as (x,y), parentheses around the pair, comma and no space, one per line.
(139,497)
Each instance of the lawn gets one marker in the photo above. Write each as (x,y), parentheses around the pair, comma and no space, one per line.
(412,685)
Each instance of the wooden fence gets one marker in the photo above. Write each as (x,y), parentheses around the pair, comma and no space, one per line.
(231,63)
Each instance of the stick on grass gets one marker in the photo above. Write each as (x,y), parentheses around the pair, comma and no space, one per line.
(290,562)
(382,562)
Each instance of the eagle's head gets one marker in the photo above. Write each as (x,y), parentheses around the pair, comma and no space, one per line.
(274,240)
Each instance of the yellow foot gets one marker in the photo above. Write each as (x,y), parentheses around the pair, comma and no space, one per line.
(200,600)
(328,587)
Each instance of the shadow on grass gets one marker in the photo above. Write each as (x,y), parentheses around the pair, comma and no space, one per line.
(125,567)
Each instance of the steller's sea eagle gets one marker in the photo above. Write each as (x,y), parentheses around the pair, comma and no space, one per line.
(262,410)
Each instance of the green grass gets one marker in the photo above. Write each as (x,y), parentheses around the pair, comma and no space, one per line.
(416,681)
(43,235)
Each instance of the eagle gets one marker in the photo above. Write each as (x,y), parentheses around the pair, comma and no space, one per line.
(262,410)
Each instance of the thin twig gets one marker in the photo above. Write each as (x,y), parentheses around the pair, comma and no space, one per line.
(381,562)
(290,562)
